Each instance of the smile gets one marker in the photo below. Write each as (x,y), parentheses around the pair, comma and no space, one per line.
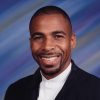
(49,58)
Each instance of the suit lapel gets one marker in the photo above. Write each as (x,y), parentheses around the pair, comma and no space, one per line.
(36,83)
(71,79)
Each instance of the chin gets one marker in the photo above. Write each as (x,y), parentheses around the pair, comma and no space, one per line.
(51,70)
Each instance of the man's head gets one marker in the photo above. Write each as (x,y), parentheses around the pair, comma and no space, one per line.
(48,10)
(51,40)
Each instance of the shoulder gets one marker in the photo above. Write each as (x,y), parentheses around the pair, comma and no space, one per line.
(20,85)
(23,86)
(28,80)
(81,72)
(84,76)
(87,76)
(23,81)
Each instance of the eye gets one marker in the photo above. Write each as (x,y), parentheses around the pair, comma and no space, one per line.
(59,36)
(37,37)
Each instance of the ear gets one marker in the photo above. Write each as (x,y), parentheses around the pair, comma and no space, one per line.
(73,40)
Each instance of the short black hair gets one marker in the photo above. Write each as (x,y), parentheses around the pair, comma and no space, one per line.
(50,10)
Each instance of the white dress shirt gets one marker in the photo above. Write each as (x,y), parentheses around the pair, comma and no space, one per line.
(50,88)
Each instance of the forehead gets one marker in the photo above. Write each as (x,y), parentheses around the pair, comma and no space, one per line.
(50,22)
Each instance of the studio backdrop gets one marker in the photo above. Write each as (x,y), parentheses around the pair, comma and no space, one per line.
(15,55)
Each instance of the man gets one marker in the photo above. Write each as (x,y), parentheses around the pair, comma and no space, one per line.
(57,78)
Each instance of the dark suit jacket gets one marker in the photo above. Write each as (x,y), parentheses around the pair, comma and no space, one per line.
(79,86)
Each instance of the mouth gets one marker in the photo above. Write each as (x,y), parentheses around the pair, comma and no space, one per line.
(49,59)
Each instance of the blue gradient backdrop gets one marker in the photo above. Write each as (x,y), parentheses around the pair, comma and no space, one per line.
(15,55)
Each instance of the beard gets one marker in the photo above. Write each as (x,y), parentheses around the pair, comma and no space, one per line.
(50,69)
(57,66)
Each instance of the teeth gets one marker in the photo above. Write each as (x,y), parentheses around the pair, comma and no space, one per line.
(49,58)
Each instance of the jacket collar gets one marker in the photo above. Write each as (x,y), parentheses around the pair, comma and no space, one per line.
(37,77)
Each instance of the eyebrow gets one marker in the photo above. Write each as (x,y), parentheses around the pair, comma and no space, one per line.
(59,32)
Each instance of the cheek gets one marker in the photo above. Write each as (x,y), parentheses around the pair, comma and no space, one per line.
(65,46)
(35,47)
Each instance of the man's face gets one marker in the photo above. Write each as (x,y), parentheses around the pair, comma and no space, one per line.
(51,43)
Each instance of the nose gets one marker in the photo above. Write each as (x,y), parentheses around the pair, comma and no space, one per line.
(49,44)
